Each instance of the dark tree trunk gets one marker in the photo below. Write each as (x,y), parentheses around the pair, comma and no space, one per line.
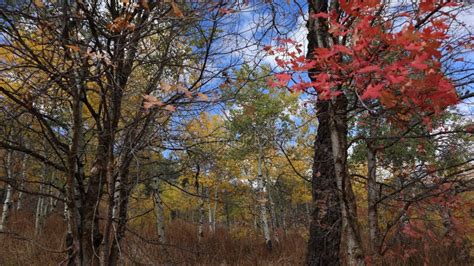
(326,224)
(325,228)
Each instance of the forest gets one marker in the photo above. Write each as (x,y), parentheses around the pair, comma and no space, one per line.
(239,132)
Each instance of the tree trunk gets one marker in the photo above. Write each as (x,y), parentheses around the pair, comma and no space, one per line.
(326,223)
(8,202)
(159,212)
(39,216)
(338,133)
(273,217)
(124,192)
(227,209)
(22,181)
(262,201)
(202,193)
(209,210)
(214,213)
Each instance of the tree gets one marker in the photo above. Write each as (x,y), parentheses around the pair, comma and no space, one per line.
(356,55)
(258,119)
(79,71)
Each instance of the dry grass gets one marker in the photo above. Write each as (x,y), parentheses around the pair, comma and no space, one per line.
(224,247)
(238,246)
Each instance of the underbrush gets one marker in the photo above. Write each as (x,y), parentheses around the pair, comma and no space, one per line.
(237,246)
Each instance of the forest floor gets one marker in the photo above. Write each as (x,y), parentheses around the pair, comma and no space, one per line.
(237,246)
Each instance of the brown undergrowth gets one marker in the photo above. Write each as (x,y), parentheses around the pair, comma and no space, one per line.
(237,246)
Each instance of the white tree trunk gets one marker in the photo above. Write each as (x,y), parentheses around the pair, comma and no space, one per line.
(39,214)
(116,198)
(22,180)
(209,210)
(262,201)
(350,231)
(273,216)
(7,203)
(215,211)
(159,212)
(201,213)
(40,204)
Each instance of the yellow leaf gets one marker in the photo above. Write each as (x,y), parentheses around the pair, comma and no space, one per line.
(176,10)
(38,3)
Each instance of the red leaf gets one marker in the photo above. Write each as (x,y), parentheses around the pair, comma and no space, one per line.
(395,79)
(419,62)
(282,80)
(372,91)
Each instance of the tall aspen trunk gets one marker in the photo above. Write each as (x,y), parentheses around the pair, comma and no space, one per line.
(116,197)
(226,208)
(273,216)
(159,212)
(8,202)
(209,210)
(22,181)
(125,190)
(338,133)
(39,218)
(40,204)
(202,201)
(214,213)
(262,200)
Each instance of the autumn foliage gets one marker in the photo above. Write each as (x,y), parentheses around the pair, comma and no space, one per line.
(395,61)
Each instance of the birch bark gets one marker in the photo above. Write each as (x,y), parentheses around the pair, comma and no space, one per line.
(8,202)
